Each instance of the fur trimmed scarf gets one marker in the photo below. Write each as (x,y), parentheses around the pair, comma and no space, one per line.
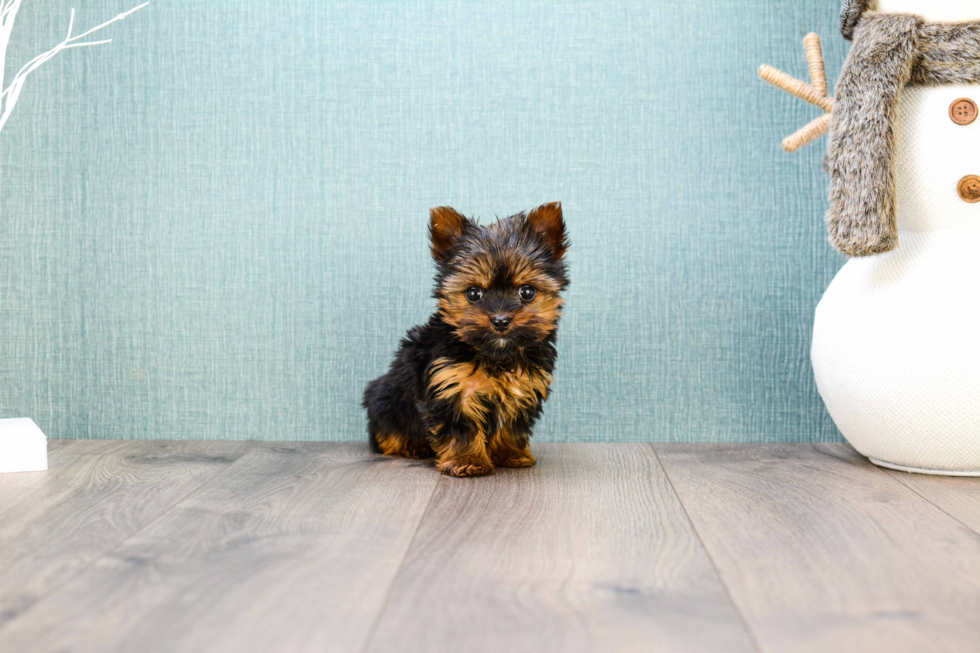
(890,51)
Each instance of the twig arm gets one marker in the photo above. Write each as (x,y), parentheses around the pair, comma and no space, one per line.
(796,87)
(808,134)
(814,58)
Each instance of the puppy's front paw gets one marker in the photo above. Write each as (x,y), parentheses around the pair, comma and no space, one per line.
(416,450)
(465,466)
(515,460)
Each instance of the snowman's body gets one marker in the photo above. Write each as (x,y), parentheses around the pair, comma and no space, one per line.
(896,342)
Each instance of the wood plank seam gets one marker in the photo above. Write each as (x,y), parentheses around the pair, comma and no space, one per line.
(588,551)
(928,500)
(855,458)
(278,529)
(55,588)
(384,604)
(822,554)
(707,551)
(175,504)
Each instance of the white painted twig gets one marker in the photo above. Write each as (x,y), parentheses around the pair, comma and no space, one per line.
(8,12)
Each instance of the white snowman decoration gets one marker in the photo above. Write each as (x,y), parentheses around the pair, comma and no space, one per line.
(896,341)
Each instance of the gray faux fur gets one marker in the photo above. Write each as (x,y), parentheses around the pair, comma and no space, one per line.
(890,51)
(948,54)
(850,14)
(861,218)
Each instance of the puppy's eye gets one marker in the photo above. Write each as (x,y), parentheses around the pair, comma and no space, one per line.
(474,294)
(526,293)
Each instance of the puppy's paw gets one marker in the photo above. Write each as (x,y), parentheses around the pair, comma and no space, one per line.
(515,459)
(416,450)
(466,466)
(396,444)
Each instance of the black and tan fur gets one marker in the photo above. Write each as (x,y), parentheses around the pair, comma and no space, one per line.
(461,388)
(890,51)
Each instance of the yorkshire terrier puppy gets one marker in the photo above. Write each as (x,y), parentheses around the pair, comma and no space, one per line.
(467,386)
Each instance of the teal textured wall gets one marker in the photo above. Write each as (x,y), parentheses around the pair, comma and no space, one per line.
(214,227)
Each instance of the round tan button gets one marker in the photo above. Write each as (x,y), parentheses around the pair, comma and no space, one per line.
(963,111)
(969,188)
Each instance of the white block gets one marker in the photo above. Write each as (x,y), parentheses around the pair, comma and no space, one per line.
(23,447)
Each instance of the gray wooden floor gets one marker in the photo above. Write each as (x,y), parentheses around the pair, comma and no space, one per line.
(244,546)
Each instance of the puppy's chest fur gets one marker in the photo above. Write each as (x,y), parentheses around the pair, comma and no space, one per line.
(487,397)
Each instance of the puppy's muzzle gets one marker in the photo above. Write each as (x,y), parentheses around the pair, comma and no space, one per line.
(500,321)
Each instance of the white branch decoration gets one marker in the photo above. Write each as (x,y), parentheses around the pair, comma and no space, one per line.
(8,12)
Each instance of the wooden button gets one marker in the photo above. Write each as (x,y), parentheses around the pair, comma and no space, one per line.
(963,111)
(969,188)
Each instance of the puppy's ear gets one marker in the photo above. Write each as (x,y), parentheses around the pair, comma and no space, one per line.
(547,221)
(445,226)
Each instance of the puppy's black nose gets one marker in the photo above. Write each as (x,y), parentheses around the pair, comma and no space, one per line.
(500,322)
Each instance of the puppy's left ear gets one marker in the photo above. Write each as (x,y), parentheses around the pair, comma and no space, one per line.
(547,221)
(446,224)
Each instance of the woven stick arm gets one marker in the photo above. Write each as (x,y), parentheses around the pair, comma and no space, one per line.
(808,134)
(815,93)
(814,58)
(796,87)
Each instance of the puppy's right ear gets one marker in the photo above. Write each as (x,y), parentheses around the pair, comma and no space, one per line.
(445,226)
